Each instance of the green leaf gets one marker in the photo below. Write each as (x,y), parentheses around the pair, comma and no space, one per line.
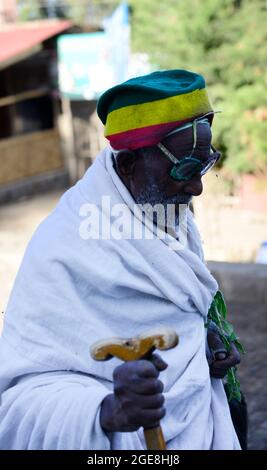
(221,304)
(217,313)
(233,385)
(228,328)
(239,347)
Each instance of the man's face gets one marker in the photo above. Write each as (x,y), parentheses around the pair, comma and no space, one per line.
(151,180)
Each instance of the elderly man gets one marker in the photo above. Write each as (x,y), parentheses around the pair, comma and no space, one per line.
(83,278)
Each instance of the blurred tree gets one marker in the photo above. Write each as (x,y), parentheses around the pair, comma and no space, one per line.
(79,11)
(226,41)
(53,8)
(28,10)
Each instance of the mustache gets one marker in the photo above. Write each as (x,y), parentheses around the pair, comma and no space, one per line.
(153,195)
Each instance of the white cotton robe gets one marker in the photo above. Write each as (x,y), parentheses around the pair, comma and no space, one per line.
(73,289)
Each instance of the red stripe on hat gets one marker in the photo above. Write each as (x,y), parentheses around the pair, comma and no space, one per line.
(145,136)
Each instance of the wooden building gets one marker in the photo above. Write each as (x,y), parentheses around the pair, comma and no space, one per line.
(30,150)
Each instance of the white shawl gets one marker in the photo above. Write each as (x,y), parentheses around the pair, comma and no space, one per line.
(70,292)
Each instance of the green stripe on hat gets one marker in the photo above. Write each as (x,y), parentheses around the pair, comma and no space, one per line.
(148,88)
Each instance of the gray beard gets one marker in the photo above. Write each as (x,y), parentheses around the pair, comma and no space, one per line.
(153,195)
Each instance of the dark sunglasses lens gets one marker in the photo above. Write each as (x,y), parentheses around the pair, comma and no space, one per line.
(186,170)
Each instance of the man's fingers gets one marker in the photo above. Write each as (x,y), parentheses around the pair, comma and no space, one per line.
(139,385)
(233,359)
(144,402)
(138,390)
(220,375)
(147,418)
(148,386)
(146,368)
(158,362)
(218,372)
(234,355)
(220,355)
(219,368)
(216,345)
(135,369)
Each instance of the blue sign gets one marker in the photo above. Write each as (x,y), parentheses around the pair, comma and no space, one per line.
(90,63)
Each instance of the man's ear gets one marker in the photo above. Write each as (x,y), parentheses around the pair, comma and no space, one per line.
(126,161)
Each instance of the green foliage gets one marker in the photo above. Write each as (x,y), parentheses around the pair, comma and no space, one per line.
(218,313)
(226,41)
(28,10)
(81,12)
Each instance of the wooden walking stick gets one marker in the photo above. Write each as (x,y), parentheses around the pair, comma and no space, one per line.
(132,349)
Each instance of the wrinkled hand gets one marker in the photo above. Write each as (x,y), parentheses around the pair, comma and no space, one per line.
(221,360)
(137,399)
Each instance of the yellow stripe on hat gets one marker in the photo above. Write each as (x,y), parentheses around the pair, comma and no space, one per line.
(174,108)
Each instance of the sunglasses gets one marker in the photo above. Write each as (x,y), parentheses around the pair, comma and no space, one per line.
(186,167)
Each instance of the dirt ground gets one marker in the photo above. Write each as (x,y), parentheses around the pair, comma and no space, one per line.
(19,220)
(17,224)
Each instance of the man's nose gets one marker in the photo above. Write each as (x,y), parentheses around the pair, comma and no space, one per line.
(194,186)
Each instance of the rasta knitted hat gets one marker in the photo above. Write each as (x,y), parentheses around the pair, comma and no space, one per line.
(141,111)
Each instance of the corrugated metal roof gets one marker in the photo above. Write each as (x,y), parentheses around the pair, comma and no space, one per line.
(19,40)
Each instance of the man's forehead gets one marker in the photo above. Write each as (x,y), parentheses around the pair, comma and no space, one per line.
(186,136)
